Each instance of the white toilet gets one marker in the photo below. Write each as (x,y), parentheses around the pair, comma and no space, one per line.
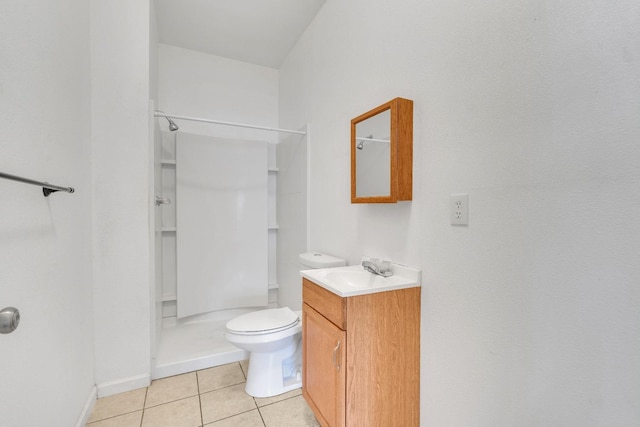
(272,337)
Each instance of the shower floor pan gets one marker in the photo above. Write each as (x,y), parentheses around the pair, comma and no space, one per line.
(198,343)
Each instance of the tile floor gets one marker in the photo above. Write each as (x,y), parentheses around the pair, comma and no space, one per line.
(213,397)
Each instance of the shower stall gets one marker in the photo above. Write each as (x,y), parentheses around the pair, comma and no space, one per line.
(215,238)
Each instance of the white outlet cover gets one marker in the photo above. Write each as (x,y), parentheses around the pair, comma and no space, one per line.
(459,209)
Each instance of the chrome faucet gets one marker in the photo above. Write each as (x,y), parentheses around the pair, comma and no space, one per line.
(375,266)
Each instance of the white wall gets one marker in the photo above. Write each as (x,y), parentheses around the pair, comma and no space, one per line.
(46,365)
(120,83)
(201,85)
(531,314)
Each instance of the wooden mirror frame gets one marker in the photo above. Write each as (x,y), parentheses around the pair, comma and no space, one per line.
(400,150)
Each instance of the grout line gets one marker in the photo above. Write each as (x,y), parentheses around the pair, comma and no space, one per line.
(222,388)
(240,413)
(144,403)
(174,400)
(112,417)
(259,412)
(199,399)
(277,401)
(243,372)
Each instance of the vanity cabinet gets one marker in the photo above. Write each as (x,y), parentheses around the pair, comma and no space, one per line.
(361,357)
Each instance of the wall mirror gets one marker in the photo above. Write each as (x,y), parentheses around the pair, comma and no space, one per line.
(382,153)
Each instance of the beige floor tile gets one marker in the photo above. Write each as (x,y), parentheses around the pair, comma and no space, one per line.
(220,377)
(290,412)
(128,420)
(264,401)
(247,419)
(180,413)
(118,404)
(172,388)
(224,403)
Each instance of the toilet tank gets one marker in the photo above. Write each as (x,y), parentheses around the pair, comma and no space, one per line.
(312,260)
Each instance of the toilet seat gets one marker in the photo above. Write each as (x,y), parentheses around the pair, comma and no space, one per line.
(263,322)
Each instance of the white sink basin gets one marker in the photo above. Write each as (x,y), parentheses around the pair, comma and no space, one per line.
(359,279)
(355,280)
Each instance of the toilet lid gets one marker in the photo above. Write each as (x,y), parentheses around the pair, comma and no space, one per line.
(271,320)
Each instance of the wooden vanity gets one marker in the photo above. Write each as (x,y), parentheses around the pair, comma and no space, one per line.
(361,356)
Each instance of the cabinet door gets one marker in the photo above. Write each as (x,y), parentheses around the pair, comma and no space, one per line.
(323,367)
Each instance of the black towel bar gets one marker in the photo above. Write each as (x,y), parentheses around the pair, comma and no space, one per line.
(46,187)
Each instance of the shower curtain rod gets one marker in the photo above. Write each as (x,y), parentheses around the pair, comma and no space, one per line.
(220,122)
(46,187)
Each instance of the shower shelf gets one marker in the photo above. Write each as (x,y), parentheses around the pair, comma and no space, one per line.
(273,286)
(275,170)
(169,297)
(169,162)
(168,229)
(274,227)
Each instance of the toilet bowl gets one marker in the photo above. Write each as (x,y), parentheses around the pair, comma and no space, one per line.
(272,338)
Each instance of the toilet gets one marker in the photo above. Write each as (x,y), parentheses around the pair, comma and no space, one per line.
(272,338)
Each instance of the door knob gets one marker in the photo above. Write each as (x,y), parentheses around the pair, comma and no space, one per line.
(9,319)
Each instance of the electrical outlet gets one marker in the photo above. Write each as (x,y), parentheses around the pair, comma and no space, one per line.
(459,209)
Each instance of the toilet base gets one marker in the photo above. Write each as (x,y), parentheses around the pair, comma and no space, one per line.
(271,374)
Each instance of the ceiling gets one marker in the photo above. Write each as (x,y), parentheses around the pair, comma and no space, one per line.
(260,32)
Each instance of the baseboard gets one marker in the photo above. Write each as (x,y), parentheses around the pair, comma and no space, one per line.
(120,386)
(88,407)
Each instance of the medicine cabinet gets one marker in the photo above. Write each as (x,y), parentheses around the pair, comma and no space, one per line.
(382,153)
